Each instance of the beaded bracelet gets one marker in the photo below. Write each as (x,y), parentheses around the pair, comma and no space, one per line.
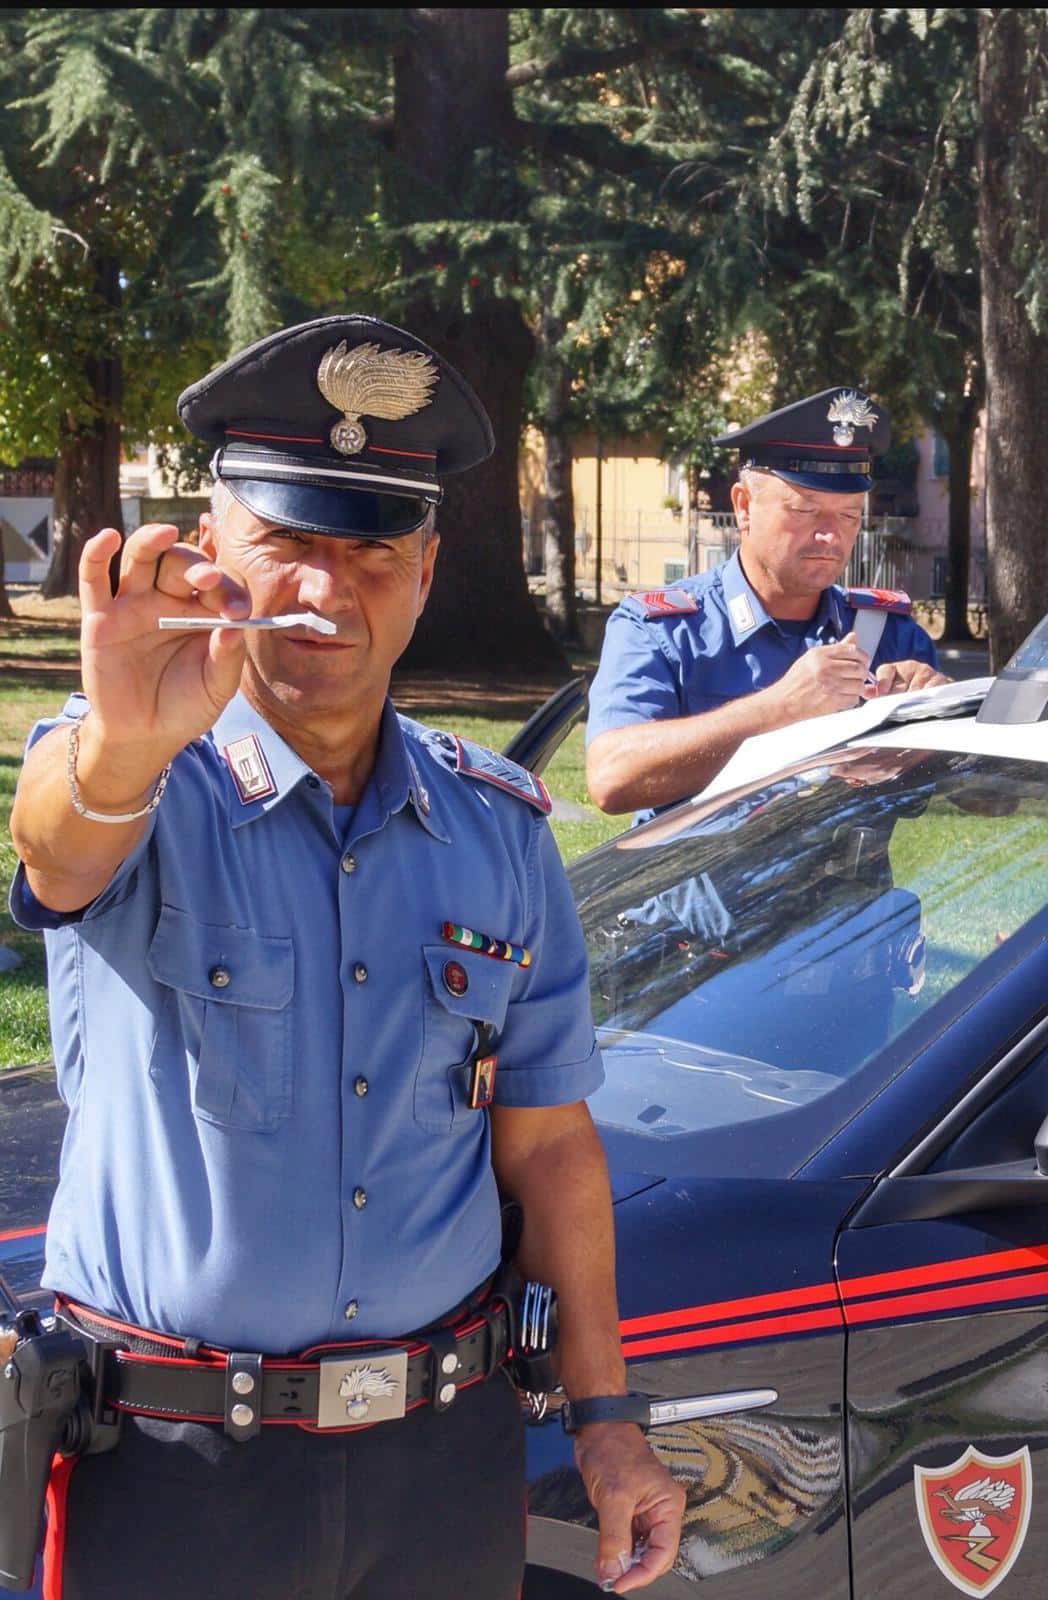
(72,751)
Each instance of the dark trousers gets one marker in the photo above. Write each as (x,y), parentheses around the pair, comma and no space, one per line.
(430,1507)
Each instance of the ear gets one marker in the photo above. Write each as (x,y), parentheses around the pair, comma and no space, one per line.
(429,561)
(207,540)
(741,500)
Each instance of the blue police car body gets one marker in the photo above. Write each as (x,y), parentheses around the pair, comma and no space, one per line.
(825,1030)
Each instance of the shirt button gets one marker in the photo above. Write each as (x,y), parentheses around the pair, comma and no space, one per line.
(218,977)
(351,1311)
(313,782)
(360,973)
(348,863)
(360,1198)
(360,1087)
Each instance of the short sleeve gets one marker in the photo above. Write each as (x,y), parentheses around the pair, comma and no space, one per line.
(635,681)
(547,1053)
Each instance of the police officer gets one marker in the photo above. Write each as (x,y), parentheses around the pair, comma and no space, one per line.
(768,638)
(318,995)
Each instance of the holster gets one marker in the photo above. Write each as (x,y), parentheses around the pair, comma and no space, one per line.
(50,1403)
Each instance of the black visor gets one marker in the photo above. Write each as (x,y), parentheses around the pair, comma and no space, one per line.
(343,512)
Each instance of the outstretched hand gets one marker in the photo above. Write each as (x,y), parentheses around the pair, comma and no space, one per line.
(151,690)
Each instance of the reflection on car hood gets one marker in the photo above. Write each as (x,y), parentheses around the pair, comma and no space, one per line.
(662,1087)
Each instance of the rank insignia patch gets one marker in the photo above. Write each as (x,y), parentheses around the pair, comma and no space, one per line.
(666,602)
(974,1515)
(249,768)
(477,761)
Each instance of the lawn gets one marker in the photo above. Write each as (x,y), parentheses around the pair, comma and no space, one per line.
(38,667)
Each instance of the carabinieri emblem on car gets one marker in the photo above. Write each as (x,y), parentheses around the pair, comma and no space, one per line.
(974,1515)
(850,411)
(370,382)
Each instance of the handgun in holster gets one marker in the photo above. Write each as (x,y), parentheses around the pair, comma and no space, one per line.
(50,1404)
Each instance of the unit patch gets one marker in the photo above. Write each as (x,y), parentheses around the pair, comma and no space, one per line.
(249,768)
(974,1515)
(666,602)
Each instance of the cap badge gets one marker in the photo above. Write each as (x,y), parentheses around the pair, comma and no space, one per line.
(370,382)
(850,410)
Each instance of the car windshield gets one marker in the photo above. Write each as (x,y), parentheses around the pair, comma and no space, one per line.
(751,956)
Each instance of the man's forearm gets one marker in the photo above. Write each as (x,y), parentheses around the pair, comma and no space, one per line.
(656,763)
(568,1241)
(69,859)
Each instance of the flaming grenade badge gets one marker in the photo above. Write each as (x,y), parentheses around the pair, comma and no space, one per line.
(849,411)
(367,381)
(359,1388)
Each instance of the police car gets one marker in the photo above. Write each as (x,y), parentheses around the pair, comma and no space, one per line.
(822,995)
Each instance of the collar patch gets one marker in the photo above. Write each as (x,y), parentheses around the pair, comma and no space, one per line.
(249,769)
(741,613)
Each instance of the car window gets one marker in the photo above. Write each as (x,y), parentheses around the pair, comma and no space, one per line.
(750,957)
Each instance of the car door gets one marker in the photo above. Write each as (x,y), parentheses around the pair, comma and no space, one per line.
(943,1275)
(724,1285)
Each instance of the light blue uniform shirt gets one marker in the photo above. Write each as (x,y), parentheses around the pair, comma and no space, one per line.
(269,1141)
(722,645)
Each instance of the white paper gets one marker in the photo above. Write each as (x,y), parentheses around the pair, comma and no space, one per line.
(292,619)
(765,753)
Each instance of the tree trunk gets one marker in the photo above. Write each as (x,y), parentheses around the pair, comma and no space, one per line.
(453,140)
(559,521)
(87,465)
(1013,210)
(958,428)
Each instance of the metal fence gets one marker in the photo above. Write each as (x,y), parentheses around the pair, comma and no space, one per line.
(642,549)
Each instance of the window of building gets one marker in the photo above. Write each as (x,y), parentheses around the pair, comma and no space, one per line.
(672,571)
(940,457)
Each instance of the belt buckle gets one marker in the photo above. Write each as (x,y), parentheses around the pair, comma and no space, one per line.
(366,1389)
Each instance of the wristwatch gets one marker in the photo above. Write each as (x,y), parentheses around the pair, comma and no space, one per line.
(575,1414)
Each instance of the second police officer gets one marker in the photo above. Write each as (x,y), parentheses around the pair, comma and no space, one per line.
(767,638)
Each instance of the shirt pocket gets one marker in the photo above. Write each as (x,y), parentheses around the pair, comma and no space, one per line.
(226,1020)
(448,1032)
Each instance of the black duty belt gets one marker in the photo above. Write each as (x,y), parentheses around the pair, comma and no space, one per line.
(328,1388)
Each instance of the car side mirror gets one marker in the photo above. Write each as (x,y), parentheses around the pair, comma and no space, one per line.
(1040,1148)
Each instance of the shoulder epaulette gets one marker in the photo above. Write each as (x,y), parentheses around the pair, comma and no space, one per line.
(477,761)
(664,602)
(896,600)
